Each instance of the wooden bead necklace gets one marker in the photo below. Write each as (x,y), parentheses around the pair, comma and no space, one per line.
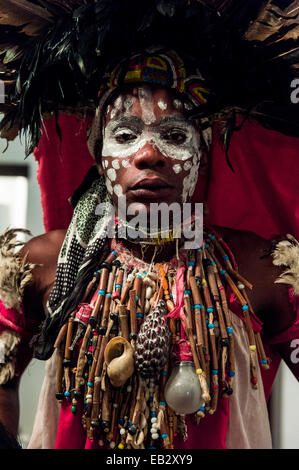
(117,350)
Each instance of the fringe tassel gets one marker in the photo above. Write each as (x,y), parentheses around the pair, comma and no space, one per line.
(15,274)
(9,341)
(286,253)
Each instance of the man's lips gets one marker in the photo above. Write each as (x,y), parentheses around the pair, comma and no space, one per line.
(151,188)
(153,183)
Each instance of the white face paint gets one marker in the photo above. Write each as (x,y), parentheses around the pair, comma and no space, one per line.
(177,104)
(162,105)
(175,137)
(109,186)
(128,103)
(177,168)
(126,163)
(117,107)
(111,173)
(105,163)
(190,180)
(187,106)
(115,164)
(187,165)
(118,190)
(146,103)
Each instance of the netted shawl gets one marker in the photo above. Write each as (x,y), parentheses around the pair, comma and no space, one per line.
(85,240)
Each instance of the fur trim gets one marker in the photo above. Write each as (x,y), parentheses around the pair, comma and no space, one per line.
(15,273)
(9,340)
(286,253)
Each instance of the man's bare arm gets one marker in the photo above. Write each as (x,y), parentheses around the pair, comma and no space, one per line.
(42,250)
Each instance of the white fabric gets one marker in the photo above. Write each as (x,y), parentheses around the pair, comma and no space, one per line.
(48,409)
(248,426)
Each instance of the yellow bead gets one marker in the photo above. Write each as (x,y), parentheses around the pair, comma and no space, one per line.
(252,347)
(199,371)
(203,282)
(121,446)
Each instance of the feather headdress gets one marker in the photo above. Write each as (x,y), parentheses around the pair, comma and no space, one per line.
(53,55)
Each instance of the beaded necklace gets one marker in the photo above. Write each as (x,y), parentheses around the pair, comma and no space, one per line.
(136,326)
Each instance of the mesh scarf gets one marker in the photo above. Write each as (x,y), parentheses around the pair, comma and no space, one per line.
(85,240)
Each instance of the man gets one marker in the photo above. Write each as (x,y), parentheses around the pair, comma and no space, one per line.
(149,176)
(149,147)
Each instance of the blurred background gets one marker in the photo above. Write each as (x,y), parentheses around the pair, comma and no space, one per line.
(20,207)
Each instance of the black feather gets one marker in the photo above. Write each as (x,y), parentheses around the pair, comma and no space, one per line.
(62,66)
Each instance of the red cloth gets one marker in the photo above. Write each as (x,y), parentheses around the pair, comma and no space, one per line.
(11,319)
(259,196)
(62,167)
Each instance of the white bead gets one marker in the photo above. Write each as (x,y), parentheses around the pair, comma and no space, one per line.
(112,445)
(155,436)
(122,431)
(154,425)
(153,420)
(129,388)
(241,286)
(148,292)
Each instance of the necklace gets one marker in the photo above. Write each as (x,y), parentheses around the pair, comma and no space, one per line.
(152,343)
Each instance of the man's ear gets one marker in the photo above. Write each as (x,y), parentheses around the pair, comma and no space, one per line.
(100,169)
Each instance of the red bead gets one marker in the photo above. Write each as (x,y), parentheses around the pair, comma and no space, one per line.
(254,380)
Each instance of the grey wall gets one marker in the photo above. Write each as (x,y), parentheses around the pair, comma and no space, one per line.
(33,376)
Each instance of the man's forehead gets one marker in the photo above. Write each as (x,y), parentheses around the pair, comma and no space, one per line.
(162,97)
(124,118)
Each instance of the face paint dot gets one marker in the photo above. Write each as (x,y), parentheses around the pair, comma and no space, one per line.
(187,106)
(109,186)
(177,168)
(105,163)
(162,105)
(187,165)
(128,103)
(115,164)
(126,163)
(118,102)
(118,190)
(146,103)
(111,173)
(177,104)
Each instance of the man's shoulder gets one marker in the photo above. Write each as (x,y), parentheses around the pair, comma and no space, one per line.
(44,249)
(245,242)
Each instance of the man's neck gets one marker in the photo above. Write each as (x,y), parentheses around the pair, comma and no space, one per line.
(156,253)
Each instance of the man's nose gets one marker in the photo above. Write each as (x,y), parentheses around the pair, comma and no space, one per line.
(149,156)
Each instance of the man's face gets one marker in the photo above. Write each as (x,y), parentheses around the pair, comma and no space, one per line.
(150,150)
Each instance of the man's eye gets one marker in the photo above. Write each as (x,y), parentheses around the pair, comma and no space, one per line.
(125,137)
(175,137)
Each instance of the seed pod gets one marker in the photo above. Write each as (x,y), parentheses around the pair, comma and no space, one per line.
(152,343)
